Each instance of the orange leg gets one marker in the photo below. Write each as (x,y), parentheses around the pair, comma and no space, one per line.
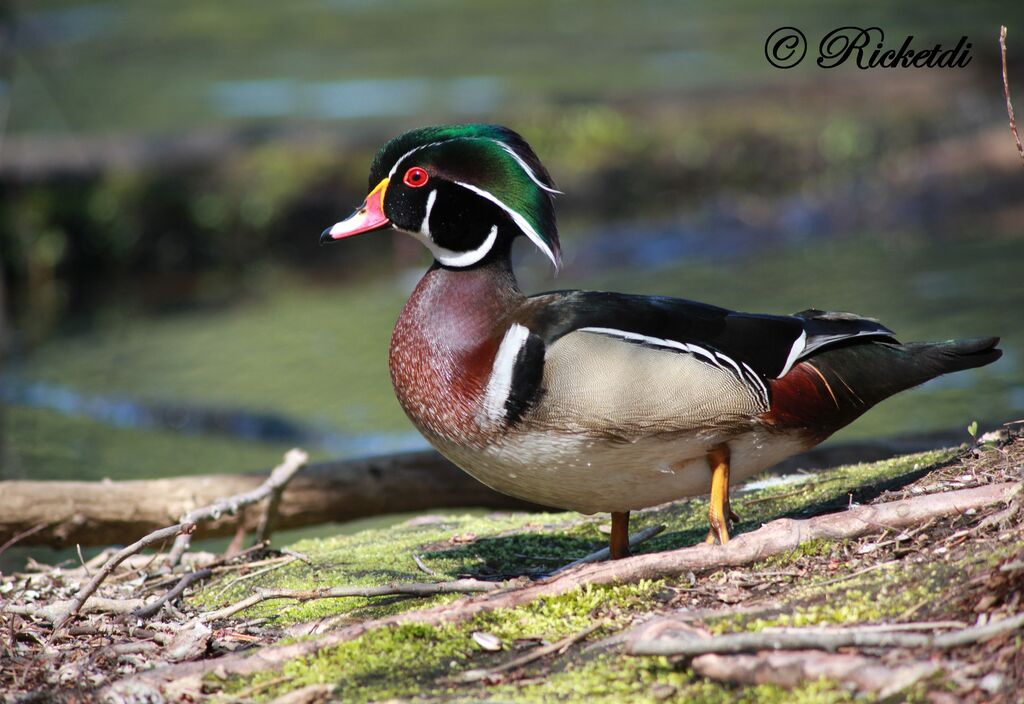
(619,542)
(720,514)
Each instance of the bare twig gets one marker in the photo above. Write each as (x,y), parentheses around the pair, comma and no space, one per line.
(119,630)
(1006,92)
(22,535)
(536,654)
(858,573)
(279,563)
(789,669)
(172,594)
(136,547)
(422,565)
(301,557)
(294,460)
(56,610)
(804,486)
(78,547)
(690,643)
(237,543)
(458,586)
(602,554)
(266,525)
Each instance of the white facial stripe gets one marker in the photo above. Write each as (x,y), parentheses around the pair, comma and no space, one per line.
(794,353)
(425,225)
(518,219)
(715,358)
(526,167)
(500,384)
(394,167)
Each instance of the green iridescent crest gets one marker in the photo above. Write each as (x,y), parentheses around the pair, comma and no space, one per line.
(490,160)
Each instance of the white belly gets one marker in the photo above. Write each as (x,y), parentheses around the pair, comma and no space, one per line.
(590,475)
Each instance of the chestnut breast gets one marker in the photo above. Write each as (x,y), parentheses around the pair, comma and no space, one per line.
(443,349)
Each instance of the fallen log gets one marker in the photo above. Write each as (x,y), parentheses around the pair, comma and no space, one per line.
(104,513)
(60,513)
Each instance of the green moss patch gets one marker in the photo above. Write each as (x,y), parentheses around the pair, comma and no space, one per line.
(499,546)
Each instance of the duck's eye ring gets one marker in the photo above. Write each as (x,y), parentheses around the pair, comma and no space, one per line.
(415,177)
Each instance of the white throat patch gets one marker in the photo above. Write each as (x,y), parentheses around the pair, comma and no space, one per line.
(452,258)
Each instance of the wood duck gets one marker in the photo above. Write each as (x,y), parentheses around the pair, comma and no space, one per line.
(597,401)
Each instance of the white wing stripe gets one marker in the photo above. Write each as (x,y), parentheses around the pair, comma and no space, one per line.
(794,353)
(756,379)
(500,384)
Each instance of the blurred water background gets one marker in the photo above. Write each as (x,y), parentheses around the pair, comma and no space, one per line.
(166,168)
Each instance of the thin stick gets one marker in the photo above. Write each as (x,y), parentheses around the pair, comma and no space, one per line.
(1006,92)
(422,565)
(266,525)
(678,643)
(22,535)
(602,554)
(858,573)
(536,654)
(458,586)
(172,594)
(804,486)
(886,627)
(288,559)
(294,460)
(78,546)
(136,547)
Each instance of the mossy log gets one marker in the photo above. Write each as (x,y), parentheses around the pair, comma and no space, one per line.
(64,513)
(104,513)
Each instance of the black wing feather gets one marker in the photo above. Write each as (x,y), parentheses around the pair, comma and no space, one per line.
(763,342)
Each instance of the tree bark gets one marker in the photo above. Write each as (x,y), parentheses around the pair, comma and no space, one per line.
(104,513)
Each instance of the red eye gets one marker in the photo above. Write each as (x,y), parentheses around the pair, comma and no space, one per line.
(415,177)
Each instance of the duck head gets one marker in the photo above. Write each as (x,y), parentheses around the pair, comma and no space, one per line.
(464,191)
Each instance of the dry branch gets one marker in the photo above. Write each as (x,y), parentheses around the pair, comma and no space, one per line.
(774,538)
(458,586)
(789,669)
(690,642)
(639,537)
(153,538)
(1006,92)
(55,610)
(177,590)
(294,460)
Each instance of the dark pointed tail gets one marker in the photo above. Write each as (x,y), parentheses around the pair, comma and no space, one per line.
(833,387)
